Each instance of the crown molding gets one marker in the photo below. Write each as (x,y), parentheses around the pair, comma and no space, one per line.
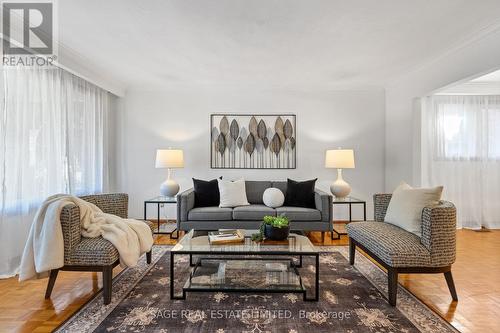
(472,88)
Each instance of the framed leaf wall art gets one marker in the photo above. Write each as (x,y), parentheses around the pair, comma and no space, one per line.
(246,141)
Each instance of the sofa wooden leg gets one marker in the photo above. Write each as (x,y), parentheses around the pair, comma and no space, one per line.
(352,251)
(50,284)
(392,284)
(451,285)
(107,282)
(323,237)
(148,256)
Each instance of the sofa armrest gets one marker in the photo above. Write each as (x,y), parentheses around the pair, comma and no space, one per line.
(380,204)
(185,202)
(70,224)
(323,203)
(110,203)
(439,227)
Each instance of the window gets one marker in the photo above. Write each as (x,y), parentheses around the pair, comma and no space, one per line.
(461,152)
(494,134)
(53,130)
(52,139)
(466,127)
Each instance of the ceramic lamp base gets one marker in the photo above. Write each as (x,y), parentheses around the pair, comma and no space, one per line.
(169,188)
(340,188)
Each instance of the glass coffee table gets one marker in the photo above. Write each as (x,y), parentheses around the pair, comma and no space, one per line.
(247,267)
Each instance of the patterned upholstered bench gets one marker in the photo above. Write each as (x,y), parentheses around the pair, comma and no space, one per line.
(91,254)
(400,251)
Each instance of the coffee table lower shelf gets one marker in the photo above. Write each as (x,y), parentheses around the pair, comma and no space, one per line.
(245,274)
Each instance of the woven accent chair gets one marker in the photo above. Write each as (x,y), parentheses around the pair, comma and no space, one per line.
(400,251)
(91,254)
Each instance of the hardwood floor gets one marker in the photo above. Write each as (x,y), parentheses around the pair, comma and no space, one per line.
(476,273)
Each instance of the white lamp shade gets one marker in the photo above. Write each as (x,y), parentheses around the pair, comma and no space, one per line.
(339,159)
(169,158)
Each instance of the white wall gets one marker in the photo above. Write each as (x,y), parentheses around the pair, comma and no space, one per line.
(402,117)
(113,145)
(180,119)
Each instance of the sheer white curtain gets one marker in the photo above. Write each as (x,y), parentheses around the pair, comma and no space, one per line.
(52,137)
(461,150)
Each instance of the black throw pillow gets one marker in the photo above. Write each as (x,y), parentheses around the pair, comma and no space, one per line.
(300,194)
(206,193)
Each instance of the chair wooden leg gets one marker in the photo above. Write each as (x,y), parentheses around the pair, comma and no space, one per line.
(352,251)
(148,257)
(451,285)
(392,283)
(107,282)
(50,284)
(323,237)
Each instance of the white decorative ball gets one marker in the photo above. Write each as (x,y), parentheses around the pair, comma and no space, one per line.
(273,197)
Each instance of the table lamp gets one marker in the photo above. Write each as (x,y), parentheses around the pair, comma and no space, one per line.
(340,159)
(170,159)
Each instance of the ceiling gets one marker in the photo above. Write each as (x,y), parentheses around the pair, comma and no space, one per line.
(287,43)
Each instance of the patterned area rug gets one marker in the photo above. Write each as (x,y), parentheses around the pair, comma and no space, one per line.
(351,300)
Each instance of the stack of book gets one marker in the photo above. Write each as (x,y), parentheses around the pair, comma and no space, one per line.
(226,236)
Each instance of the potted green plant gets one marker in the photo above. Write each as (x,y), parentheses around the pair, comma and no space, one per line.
(273,227)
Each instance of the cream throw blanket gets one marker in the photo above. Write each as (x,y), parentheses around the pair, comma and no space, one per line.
(44,248)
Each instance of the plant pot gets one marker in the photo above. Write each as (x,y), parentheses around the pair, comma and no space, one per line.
(275,233)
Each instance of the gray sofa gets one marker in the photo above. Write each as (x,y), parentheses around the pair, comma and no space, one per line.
(250,217)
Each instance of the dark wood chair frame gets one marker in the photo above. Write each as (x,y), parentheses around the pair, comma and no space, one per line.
(107,276)
(392,272)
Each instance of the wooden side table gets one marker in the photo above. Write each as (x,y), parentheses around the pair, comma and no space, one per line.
(347,201)
(159,201)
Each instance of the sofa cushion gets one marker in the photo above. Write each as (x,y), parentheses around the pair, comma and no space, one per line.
(255,190)
(206,193)
(393,245)
(232,193)
(299,213)
(210,214)
(300,194)
(406,205)
(252,212)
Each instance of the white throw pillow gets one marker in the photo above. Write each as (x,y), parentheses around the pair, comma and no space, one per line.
(406,205)
(232,194)
(273,197)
